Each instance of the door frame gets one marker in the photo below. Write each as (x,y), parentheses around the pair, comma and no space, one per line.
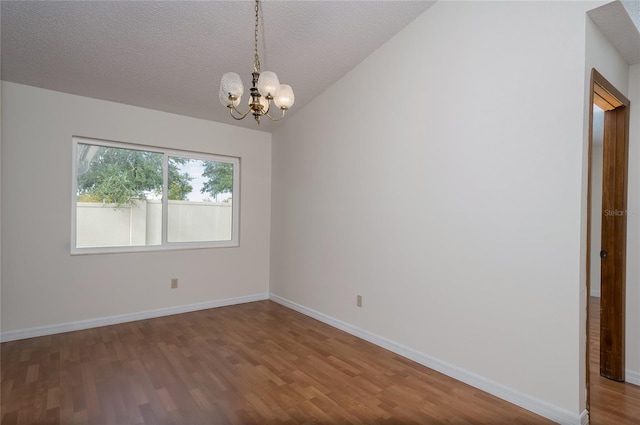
(608,98)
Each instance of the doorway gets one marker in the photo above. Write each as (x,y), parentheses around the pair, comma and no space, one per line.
(606,253)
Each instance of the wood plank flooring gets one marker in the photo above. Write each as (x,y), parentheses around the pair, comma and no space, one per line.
(611,402)
(256,363)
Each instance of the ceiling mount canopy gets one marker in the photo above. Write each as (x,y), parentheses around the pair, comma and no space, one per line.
(265,88)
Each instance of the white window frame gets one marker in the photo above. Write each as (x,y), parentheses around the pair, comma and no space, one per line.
(165,244)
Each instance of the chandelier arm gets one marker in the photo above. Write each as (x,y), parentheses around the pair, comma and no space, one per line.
(276,119)
(241,117)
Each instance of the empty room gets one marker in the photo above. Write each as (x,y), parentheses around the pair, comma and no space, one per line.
(320,212)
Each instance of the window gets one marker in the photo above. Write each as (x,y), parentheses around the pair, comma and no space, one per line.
(137,198)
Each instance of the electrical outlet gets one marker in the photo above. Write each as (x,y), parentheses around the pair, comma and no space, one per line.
(359,301)
(174,283)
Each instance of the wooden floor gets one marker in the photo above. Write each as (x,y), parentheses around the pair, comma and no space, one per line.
(257,363)
(611,402)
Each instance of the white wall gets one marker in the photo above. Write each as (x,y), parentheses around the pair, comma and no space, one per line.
(469,122)
(0,206)
(601,55)
(42,284)
(633,230)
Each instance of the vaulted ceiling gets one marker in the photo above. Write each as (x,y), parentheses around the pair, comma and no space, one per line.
(170,55)
(619,21)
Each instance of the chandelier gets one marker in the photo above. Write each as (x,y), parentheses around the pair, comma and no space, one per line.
(265,89)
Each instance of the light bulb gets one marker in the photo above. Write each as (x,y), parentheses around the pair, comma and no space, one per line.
(284,97)
(231,84)
(224,99)
(268,83)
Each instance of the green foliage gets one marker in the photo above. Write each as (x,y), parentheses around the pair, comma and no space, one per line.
(220,178)
(89,197)
(117,176)
(179,186)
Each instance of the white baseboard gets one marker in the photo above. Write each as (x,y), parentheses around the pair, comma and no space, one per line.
(584,417)
(632,377)
(532,404)
(122,318)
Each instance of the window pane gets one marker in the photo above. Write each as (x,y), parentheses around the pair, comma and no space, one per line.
(200,200)
(137,198)
(119,195)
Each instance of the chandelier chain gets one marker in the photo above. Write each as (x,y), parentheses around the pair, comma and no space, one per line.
(256,58)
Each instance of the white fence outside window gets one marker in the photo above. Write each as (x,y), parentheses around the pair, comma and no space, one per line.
(140,223)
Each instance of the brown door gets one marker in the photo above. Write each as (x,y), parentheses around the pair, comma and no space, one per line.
(614,227)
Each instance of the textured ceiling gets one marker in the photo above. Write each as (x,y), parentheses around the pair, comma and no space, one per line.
(620,24)
(170,55)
